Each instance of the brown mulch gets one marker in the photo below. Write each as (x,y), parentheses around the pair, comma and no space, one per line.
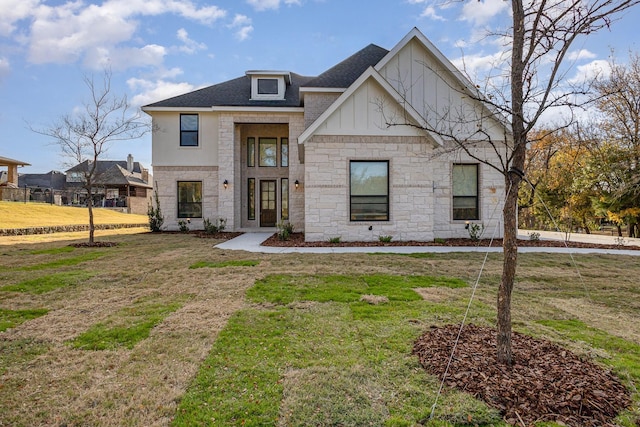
(297,240)
(545,383)
(94,245)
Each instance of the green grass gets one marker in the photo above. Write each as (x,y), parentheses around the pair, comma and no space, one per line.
(325,359)
(625,355)
(222,264)
(53,251)
(13,318)
(49,282)
(127,327)
(284,289)
(90,255)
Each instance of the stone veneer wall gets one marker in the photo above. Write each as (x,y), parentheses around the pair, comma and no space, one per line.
(420,189)
(166,182)
(230,204)
(327,188)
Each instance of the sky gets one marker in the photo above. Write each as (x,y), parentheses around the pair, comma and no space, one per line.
(157,49)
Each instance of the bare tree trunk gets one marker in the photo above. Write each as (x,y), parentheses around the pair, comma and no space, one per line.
(91,225)
(510,250)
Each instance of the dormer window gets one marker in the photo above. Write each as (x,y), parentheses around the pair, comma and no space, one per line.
(269,85)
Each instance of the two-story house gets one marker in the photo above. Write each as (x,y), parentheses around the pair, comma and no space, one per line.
(357,152)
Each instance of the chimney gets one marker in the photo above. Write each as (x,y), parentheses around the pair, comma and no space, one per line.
(145,175)
(130,163)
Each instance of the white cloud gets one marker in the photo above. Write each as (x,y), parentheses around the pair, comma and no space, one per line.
(261,5)
(430,12)
(243,27)
(189,46)
(477,64)
(587,72)
(581,54)
(12,11)
(156,90)
(481,12)
(67,32)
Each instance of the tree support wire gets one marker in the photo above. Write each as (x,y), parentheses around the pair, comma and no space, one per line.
(466,313)
(477,281)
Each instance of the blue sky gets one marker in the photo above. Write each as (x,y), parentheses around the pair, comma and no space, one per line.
(161,48)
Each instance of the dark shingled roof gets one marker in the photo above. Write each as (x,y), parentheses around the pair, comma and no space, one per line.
(345,73)
(234,93)
(237,92)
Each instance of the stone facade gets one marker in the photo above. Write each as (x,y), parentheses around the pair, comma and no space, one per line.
(420,183)
(166,183)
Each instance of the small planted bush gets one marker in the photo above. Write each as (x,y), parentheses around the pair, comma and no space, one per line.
(334,239)
(385,239)
(285,230)
(184,225)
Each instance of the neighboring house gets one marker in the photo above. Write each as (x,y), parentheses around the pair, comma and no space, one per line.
(125,185)
(317,152)
(9,179)
(45,187)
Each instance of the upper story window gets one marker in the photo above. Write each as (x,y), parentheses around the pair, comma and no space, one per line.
(269,85)
(188,130)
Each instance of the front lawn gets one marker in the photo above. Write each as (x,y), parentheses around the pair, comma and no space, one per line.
(164,329)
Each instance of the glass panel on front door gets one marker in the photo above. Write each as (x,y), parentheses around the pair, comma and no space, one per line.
(268,202)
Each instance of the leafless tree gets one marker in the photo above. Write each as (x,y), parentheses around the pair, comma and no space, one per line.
(87,134)
(531,82)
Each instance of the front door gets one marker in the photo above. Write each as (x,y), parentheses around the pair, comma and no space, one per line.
(268,198)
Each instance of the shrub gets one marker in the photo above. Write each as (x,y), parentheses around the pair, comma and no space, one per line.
(475,230)
(285,230)
(155,214)
(385,239)
(534,236)
(184,225)
(334,239)
(211,228)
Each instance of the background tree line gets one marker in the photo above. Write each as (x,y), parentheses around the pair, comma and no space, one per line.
(588,174)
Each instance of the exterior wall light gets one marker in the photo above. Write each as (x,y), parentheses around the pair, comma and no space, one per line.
(297,184)
(226,184)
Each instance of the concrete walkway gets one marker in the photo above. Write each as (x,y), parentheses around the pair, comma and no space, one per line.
(251,242)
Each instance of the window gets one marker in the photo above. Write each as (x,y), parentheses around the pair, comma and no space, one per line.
(268,148)
(267,86)
(189,199)
(369,183)
(251,202)
(188,130)
(284,152)
(251,152)
(465,192)
(284,205)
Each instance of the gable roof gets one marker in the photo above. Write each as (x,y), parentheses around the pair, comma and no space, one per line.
(237,92)
(464,82)
(370,73)
(343,75)
(104,165)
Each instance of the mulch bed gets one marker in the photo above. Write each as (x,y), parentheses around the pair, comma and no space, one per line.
(94,245)
(545,383)
(297,240)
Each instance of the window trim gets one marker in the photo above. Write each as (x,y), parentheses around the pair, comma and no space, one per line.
(184,132)
(387,196)
(185,215)
(475,217)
